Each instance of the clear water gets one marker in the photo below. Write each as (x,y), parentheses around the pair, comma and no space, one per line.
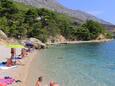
(91,64)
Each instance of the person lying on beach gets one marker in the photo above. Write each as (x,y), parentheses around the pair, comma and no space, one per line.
(9,62)
(39,81)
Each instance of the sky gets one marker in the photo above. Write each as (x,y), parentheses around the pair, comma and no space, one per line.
(104,9)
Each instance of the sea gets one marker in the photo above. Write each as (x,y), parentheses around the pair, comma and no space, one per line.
(86,64)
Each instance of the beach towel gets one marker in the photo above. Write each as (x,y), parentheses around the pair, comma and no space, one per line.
(7,81)
(2,84)
(4,67)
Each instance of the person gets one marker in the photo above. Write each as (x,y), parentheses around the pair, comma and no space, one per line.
(23,53)
(29,45)
(12,60)
(13,53)
(55,84)
(9,62)
(39,81)
(52,83)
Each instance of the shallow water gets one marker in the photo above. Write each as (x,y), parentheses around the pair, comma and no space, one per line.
(91,64)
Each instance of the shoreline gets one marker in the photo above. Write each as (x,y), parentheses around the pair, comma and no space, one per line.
(32,76)
(26,68)
(79,42)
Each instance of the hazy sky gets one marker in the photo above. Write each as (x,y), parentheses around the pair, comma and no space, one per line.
(104,9)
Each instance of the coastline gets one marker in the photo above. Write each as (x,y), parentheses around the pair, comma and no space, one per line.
(78,42)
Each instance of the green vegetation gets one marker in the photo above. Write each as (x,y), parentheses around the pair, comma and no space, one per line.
(20,21)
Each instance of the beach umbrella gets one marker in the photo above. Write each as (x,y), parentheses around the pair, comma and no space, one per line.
(15,46)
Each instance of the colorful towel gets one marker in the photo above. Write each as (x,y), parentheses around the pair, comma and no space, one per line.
(6,81)
(2,84)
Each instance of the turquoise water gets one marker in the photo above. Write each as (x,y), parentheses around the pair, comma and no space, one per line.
(91,64)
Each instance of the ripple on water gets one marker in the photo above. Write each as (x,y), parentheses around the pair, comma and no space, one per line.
(90,64)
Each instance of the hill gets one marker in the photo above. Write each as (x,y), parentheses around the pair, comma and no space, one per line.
(77,15)
(24,21)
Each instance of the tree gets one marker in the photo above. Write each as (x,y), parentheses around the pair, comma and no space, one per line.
(8,8)
(82,33)
(30,16)
(95,28)
(3,25)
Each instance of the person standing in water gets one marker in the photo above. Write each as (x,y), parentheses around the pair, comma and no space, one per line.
(39,81)
(52,83)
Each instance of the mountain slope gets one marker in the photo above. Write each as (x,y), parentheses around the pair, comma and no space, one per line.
(77,15)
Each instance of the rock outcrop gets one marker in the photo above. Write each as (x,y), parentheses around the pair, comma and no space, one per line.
(36,43)
(101,37)
(57,39)
(2,35)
